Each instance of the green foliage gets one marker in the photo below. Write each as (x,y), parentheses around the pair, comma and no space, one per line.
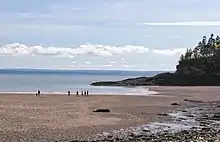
(198,66)
(203,49)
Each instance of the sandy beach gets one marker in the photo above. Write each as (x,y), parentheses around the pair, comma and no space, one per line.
(54,117)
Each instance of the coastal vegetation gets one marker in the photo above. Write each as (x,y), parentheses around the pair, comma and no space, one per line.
(199,66)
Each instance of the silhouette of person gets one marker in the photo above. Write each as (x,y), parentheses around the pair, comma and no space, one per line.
(38,92)
(81,93)
(77,94)
(68,93)
(87,92)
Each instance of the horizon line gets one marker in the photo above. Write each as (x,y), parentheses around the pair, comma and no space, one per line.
(53,69)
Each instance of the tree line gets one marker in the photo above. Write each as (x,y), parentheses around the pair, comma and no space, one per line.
(205,48)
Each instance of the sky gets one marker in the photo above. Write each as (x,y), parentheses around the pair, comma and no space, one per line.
(102,34)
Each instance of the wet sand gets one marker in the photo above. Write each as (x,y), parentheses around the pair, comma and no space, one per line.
(62,118)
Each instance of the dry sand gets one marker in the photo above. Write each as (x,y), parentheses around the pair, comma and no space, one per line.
(63,118)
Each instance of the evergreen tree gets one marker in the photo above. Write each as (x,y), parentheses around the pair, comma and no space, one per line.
(204,40)
(211,40)
(204,49)
(217,40)
(182,57)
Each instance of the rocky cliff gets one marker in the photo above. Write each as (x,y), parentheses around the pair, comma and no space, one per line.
(197,67)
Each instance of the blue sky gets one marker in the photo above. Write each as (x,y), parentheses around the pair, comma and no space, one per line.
(102,34)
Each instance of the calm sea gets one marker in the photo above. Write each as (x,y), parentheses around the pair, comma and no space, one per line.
(60,81)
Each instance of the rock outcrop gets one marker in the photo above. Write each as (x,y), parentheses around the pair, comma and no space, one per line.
(197,67)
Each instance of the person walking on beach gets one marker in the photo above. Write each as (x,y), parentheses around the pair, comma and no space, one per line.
(81,93)
(87,93)
(68,93)
(77,94)
(38,92)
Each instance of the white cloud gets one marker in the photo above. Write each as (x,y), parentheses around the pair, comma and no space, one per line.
(87,62)
(209,23)
(169,52)
(99,50)
(87,49)
(125,66)
(112,62)
(107,65)
(72,66)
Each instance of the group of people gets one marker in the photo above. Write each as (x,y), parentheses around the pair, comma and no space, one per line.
(38,93)
(83,93)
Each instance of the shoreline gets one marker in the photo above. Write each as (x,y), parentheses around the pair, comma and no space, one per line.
(151,90)
(62,118)
(134,93)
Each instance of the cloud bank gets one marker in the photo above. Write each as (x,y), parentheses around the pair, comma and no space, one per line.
(183,24)
(86,49)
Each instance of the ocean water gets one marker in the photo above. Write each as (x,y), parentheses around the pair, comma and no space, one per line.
(60,81)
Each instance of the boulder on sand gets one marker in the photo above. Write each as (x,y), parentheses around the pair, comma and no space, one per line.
(101,110)
(174,104)
(162,114)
